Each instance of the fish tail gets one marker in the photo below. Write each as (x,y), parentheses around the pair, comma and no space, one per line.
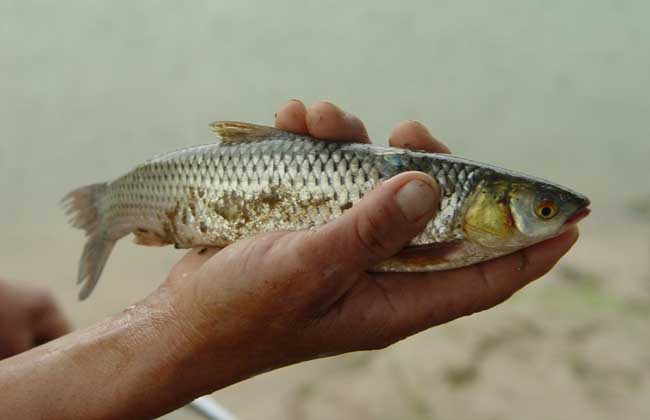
(83,206)
(92,263)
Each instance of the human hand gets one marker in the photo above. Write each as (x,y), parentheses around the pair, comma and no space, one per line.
(285,297)
(258,304)
(28,317)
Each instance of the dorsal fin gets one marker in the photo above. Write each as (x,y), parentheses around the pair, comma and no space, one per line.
(231,131)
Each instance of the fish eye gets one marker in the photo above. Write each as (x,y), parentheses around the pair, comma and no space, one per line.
(546,209)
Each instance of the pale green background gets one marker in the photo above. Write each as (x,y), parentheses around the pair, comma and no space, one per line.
(559,89)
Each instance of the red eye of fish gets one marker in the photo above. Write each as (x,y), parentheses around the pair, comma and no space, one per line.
(546,210)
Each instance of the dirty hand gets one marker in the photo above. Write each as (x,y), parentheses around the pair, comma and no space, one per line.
(28,317)
(285,297)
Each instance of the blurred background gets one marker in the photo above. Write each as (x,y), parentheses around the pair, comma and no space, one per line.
(559,89)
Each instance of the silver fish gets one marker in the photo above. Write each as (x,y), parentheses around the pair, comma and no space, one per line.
(261,179)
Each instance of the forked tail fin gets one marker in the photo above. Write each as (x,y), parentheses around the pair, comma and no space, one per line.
(82,205)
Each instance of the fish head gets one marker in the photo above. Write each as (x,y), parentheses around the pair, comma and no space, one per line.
(511,213)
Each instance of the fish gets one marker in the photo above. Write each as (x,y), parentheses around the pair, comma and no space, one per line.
(259,179)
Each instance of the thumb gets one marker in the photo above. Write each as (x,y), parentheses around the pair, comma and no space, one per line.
(378,226)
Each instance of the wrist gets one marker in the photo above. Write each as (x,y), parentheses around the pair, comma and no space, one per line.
(198,360)
(150,361)
(211,351)
(177,352)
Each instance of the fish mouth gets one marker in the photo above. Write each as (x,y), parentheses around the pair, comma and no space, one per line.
(582,212)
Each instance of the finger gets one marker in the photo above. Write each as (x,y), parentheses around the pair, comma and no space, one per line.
(415,136)
(422,300)
(292,116)
(327,121)
(377,227)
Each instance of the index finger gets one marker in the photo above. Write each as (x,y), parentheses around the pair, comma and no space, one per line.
(423,300)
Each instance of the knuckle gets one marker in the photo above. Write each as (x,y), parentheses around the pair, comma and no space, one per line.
(371,233)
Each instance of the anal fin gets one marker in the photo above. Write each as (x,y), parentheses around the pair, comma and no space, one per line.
(148,238)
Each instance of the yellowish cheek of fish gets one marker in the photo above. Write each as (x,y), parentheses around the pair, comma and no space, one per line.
(488,221)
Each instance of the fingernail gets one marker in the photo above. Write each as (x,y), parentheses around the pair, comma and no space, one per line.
(416,199)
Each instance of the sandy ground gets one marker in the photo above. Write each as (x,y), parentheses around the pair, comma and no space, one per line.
(572,346)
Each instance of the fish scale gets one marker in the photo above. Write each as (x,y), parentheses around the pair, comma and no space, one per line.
(340,173)
(259,179)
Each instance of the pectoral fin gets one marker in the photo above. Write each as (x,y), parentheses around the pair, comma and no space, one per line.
(422,257)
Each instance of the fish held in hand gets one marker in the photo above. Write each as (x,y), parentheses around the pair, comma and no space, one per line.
(261,179)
